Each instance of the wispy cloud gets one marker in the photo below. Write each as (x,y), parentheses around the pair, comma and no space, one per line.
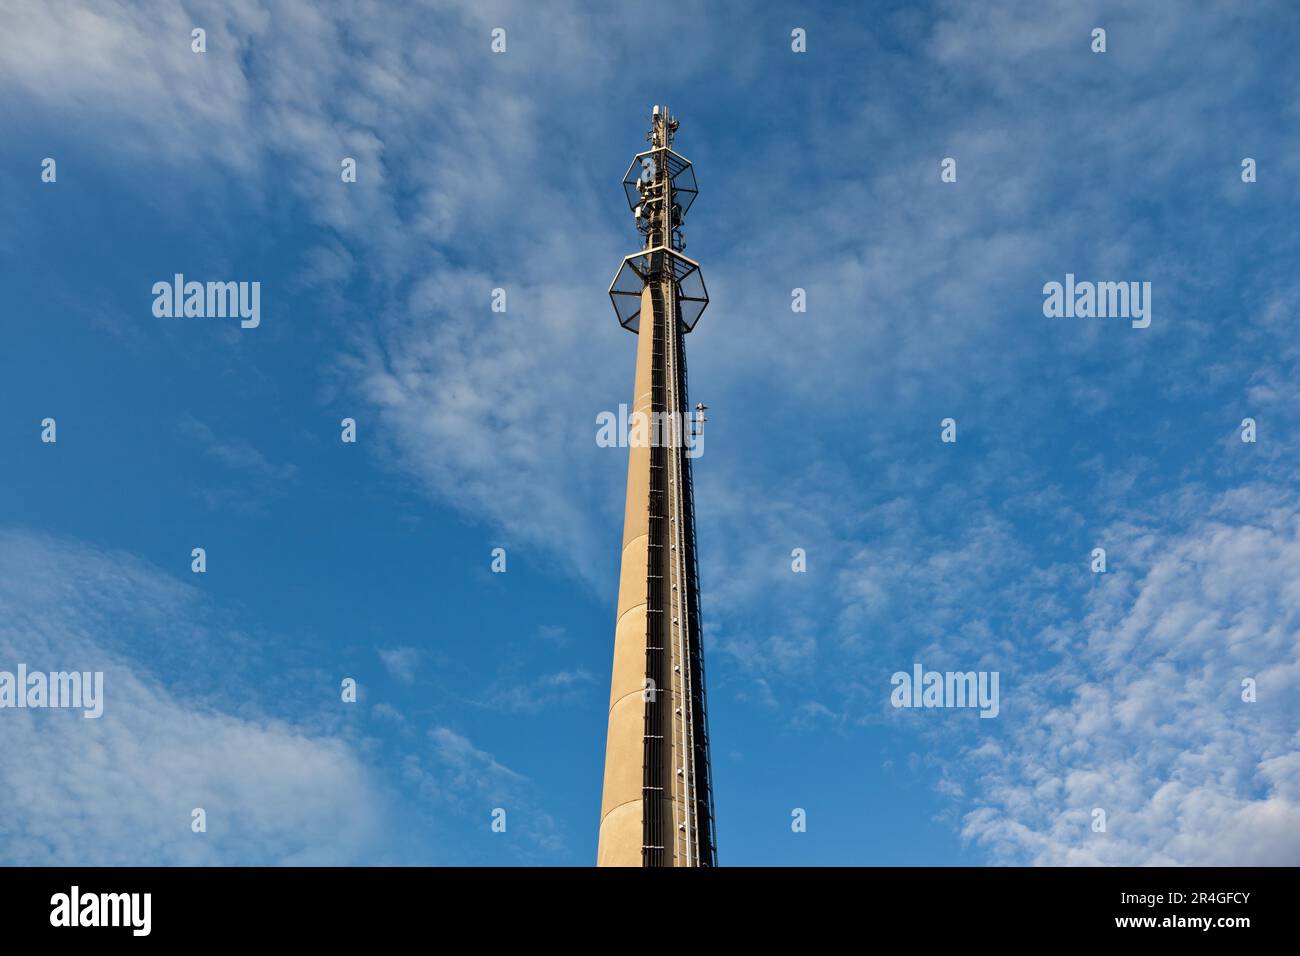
(401,662)
(456,773)
(536,694)
(238,454)
(120,790)
(1143,716)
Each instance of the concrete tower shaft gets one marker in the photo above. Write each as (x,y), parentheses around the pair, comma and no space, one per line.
(657,802)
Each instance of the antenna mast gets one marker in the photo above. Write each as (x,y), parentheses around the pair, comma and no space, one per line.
(658,800)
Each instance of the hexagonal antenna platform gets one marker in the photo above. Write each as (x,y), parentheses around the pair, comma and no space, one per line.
(647,265)
(680,170)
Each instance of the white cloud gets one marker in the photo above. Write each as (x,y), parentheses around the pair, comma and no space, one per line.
(120,790)
(473,782)
(539,692)
(1143,716)
(400,662)
(237,453)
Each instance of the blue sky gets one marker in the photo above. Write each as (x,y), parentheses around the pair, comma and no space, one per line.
(476,429)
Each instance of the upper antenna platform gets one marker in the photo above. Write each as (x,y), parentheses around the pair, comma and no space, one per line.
(659,187)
